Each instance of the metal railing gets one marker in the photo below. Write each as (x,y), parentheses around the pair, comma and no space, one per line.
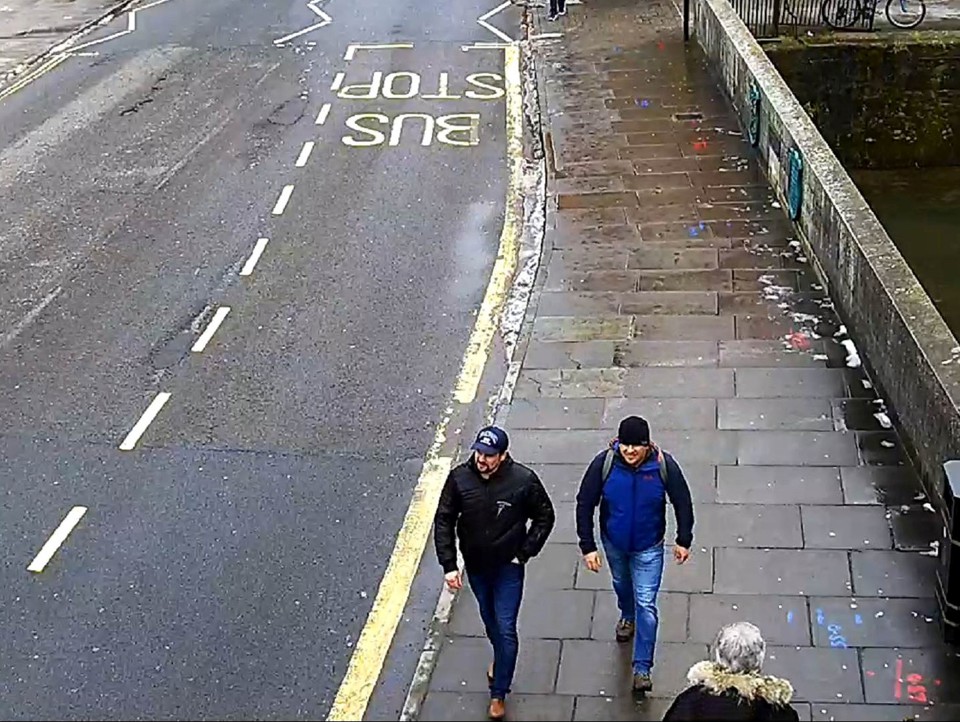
(774,18)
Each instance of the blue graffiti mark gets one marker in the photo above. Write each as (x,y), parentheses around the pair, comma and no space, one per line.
(821,620)
(694,231)
(790,617)
(858,619)
(642,103)
(836,636)
(702,225)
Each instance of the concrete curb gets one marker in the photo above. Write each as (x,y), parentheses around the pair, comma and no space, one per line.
(115,10)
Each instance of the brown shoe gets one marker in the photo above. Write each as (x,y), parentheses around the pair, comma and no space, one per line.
(497,709)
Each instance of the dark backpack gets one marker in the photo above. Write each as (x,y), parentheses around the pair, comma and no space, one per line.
(611,454)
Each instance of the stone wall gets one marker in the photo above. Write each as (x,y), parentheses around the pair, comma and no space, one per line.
(881,101)
(907,347)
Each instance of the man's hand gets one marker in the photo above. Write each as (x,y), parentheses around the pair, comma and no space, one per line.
(681,554)
(593,561)
(453,580)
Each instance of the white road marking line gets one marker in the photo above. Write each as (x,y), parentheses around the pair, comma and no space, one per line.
(485,46)
(324,20)
(482,21)
(338,81)
(322,115)
(283,200)
(149,415)
(354,47)
(57,539)
(305,153)
(30,317)
(131,27)
(254,257)
(211,329)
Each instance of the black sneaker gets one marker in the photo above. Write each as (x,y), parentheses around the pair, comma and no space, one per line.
(563,10)
(641,685)
(552,16)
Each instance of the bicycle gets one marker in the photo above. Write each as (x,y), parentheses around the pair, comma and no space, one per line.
(843,14)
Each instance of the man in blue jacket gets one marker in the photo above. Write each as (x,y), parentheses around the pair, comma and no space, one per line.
(631,482)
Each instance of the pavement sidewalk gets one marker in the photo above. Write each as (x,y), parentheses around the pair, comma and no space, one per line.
(30,28)
(671,287)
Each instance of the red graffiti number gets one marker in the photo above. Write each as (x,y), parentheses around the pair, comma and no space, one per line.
(916,690)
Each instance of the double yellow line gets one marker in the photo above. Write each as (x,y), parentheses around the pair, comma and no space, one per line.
(373,645)
(34,74)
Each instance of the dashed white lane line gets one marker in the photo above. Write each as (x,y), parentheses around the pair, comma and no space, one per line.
(322,115)
(211,329)
(57,539)
(254,257)
(130,442)
(282,201)
(305,153)
(338,81)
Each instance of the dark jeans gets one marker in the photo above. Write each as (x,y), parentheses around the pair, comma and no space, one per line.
(636,581)
(557,6)
(499,592)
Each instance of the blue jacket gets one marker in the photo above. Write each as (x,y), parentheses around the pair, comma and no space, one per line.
(633,503)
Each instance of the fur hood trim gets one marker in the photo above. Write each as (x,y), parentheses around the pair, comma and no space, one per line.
(717,680)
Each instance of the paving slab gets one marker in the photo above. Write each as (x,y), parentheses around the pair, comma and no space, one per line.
(892,574)
(842,622)
(779,485)
(673,608)
(846,527)
(462,666)
(817,674)
(772,526)
(917,676)
(591,668)
(450,706)
(555,414)
(666,354)
(783,620)
(888,485)
(780,572)
(775,414)
(573,355)
(663,414)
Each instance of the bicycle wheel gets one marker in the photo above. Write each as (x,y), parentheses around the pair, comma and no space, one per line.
(906,13)
(840,14)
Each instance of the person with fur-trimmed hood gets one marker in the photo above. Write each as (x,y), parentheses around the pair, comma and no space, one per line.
(731,686)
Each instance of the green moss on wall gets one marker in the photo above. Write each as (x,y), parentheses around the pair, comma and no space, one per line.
(881,101)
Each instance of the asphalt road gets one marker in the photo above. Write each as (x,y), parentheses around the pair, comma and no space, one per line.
(226,563)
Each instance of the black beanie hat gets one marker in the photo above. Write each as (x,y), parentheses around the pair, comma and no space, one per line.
(634,431)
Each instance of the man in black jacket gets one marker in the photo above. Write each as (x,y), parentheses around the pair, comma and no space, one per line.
(502,515)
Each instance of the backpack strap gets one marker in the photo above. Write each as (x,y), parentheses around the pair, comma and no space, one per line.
(662,460)
(607,464)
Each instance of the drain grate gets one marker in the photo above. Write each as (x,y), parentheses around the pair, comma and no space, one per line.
(688,116)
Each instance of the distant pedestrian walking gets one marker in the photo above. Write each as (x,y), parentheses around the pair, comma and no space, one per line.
(730,686)
(502,515)
(631,482)
(557,8)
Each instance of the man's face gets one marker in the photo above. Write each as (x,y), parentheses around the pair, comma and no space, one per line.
(487,463)
(633,454)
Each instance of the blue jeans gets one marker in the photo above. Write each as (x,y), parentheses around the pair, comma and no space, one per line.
(636,580)
(499,592)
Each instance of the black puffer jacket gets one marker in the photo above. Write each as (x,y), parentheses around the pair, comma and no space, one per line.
(490,516)
(716,694)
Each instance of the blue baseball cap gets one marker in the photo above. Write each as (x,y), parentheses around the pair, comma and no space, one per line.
(491,440)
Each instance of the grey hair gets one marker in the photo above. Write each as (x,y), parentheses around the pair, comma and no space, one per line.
(739,648)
